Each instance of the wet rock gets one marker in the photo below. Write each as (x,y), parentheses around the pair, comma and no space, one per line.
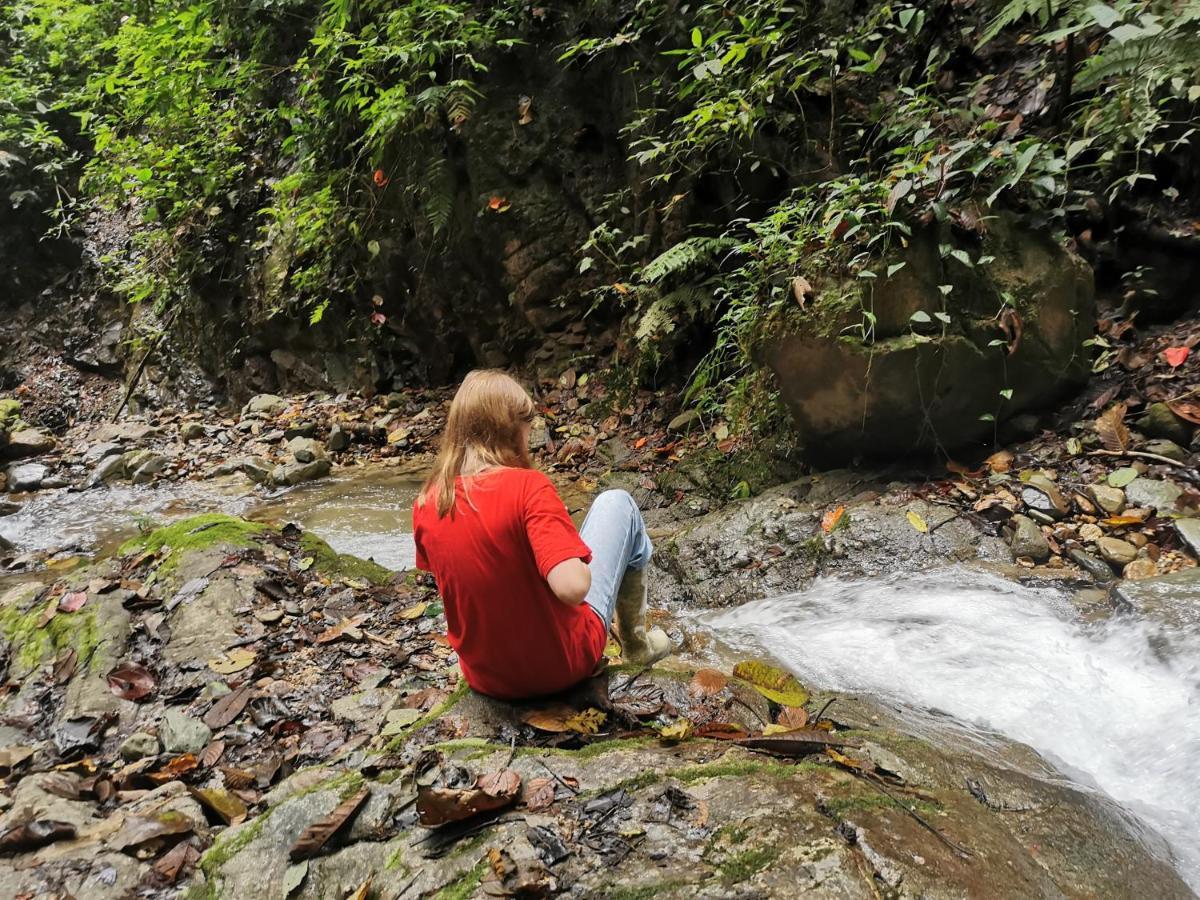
(1046,499)
(191,431)
(8,508)
(339,439)
(1109,499)
(306,449)
(1153,493)
(367,709)
(145,465)
(1117,551)
(1169,449)
(28,442)
(180,733)
(26,477)
(1140,568)
(300,429)
(1159,422)
(257,469)
(110,469)
(138,745)
(265,405)
(1027,539)
(1189,530)
(1097,568)
(97,452)
(298,472)
(1173,599)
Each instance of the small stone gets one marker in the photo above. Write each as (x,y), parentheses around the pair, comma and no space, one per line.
(296,473)
(339,439)
(268,615)
(1189,531)
(1138,539)
(27,477)
(1091,532)
(1140,568)
(138,746)
(265,405)
(683,420)
(256,469)
(300,429)
(97,452)
(1109,499)
(1159,422)
(1027,539)
(1097,568)
(539,433)
(1169,449)
(1117,551)
(181,733)
(393,401)
(1038,499)
(305,449)
(1153,493)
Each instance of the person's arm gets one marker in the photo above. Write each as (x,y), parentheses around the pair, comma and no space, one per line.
(560,554)
(570,581)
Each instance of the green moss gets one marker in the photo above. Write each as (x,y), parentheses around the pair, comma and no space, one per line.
(742,768)
(857,802)
(464,885)
(195,533)
(395,862)
(643,891)
(230,844)
(329,562)
(747,864)
(32,644)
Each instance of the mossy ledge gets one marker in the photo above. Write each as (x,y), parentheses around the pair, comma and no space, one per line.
(329,562)
(32,642)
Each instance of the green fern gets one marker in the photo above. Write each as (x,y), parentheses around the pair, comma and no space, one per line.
(437,191)
(685,257)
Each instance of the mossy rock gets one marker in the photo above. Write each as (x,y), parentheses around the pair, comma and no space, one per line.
(33,643)
(330,563)
(196,533)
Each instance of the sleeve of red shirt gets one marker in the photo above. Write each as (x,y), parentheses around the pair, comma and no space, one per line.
(421,562)
(552,534)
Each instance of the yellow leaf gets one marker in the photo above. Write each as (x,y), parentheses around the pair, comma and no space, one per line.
(306,563)
(234,661)
(586,722)
(915,520)
(413,612)
(398,435)
(677,731)
(774,684)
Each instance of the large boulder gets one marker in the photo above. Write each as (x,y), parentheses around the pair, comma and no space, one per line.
(953,346)
(27,442)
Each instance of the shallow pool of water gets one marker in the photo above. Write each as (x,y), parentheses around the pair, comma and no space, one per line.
(1115,705)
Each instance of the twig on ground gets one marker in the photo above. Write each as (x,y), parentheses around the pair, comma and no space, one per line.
(1141,454)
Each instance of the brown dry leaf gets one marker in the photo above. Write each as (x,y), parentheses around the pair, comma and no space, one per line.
(32,835)
(1000,461)
(1188,410)
(228,707)
(438,806)
(722,731)
(339,630)
(792,717)
(853,764)
(552,719)
(180,859)
(707,682)
(801,290)
(64,665)
(314,838)
(538,794)
(138,830)
(1111,428)
(176,768)
(795,743)
(832,519)
(131,681)
(525,110)
(211,754)
(1011,325)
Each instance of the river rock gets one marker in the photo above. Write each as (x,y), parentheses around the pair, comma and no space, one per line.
(298,472)
(28,442)
(1159,422)
(1140,568)
(300,429)
(1153,493)
(1027,539)
(97,452)
(10,411)
(138,745)
(26,477)
(306,449)
(265,405)
(1169,449)
(109,469)
(1044,496)
(191,431)
(1109,499)
(892,396)
(539,433)
(1173,598)
(1189,531)
(144,465)
(8,508)
(1117,551)
(1097,568)
(256,469)
(180,733)
(339,439)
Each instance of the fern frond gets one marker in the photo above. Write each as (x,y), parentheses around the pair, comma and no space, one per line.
(437,192)
(686,256)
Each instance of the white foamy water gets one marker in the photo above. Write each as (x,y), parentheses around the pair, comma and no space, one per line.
(1115,705)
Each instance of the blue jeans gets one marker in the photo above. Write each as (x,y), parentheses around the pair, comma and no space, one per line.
(616,535)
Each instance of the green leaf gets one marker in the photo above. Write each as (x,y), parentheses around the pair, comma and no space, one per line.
(894,268)
(697,38)
(920,317)
(775,684)
(1006,393)
(1103,15)
(1118,478)
(373,247)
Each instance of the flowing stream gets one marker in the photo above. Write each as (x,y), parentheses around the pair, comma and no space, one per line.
(1115,705)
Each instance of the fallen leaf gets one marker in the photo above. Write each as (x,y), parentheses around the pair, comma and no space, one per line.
(362,891)
(801,290)
(679,730)
(1118,478)
(525,110)
(341,628)
(832,519)
(586,722)
(176,862)
(228,707)
(227,806)
(538,794)
(722,731)
(314,838)
(794,743)
(438,806)
(1112,429)
(707,682)
(232,661)
(915,520)
(639,700)
(175,768)
(64,665)
(552,719)
(847,762)
(1122,521)
(413,612)
(131,681)
(1011,325)
(72,602)
(792,717)
(1189,410)
(35,834)
(999,462)
(774,684)
(212,753)
(138,830)
(1175,356)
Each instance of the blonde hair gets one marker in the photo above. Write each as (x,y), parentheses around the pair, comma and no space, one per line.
(483,431)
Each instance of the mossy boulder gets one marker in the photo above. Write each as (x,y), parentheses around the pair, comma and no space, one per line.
(958,341)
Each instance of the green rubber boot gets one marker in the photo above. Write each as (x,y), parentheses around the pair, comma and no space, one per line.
(638,646)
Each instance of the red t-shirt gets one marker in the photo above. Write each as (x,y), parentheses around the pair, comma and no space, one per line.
(490,555)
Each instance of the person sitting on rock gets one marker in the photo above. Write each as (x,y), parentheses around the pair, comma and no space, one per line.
(528,599)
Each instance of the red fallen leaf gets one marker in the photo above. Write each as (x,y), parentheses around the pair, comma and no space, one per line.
(131,681)
(640,443)
(832,518)
(1186,409)
(722,731)
(498,204)
(380,178)
(707,682)
(1175,356)
(317,835)
(538,794)
(72,602)
(179,859)
(175,768)
(378,318)
(438,806)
